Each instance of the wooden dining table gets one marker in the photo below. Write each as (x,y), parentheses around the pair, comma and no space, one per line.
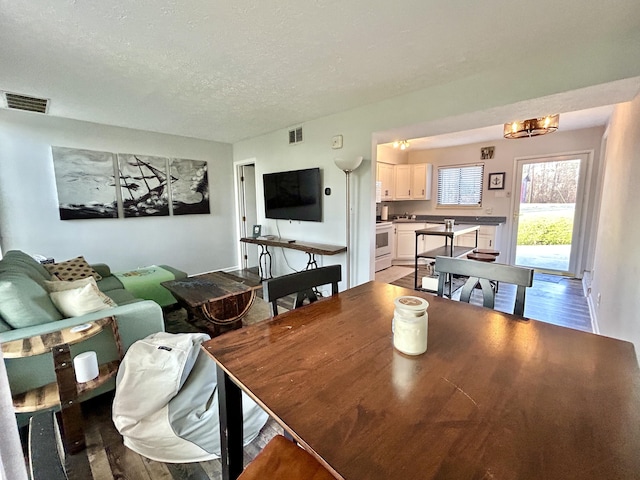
(495,396)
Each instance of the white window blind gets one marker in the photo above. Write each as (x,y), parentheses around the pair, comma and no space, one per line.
(460,185)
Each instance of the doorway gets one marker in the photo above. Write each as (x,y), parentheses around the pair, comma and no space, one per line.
(548,229)
(248,214)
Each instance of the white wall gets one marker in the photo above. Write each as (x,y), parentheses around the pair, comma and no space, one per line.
(29,218)
(616,270)
(461,104)
(272,153)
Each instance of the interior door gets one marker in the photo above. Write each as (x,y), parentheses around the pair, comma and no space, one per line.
(249,214)
(548,201)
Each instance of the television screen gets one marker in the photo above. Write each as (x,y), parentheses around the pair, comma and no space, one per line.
(293,195)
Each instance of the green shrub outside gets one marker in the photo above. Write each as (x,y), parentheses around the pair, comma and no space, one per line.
(539,230)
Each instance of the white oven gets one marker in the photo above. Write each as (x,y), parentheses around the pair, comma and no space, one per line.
(384,245)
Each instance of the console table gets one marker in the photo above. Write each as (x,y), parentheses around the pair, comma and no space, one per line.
(311,249)
(448,249)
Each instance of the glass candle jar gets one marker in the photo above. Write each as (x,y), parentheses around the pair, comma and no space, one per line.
(410,323)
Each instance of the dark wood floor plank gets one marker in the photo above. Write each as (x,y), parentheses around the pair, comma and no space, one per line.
(187,471)
(96,454)
(213,468)
(556,300)
(157,470)
(125,464)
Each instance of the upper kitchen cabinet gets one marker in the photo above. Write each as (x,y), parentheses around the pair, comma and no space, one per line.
(384,175)
(421,181)
(402,182)
(413,181)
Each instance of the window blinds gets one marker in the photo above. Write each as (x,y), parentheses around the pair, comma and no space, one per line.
(460,185)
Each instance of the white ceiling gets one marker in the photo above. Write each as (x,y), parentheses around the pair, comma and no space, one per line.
(591,117)
(227,71)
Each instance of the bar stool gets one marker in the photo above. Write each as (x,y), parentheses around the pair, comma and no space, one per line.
(484,255)
(486,251)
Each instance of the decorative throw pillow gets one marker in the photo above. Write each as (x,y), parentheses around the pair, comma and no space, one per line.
(79,301)
(59,285)
(73,269)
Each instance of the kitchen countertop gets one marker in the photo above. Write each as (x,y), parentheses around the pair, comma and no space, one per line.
(460,220)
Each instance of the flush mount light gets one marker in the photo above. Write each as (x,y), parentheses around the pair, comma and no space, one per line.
(532,127)
(401,144)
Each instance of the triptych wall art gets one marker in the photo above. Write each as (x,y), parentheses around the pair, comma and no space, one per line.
(94,184)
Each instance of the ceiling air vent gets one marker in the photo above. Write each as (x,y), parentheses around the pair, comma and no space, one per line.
(295,135)
(23,102)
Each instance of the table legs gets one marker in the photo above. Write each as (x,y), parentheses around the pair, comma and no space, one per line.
(264,262)
(70,413)
(231,435)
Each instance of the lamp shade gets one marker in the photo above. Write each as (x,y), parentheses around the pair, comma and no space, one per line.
(349,164)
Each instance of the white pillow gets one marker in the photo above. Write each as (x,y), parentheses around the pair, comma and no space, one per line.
(60,285)
(79,301)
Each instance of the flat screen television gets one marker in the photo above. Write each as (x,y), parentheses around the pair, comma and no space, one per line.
(293,195)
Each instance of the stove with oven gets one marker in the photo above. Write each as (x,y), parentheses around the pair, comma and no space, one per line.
(384,245)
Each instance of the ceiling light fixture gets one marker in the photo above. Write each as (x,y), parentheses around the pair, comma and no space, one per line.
(401,144)
(532,127)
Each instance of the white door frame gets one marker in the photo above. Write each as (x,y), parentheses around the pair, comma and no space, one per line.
(237,188)
(576,260)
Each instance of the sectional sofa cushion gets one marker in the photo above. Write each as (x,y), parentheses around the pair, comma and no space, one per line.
(4,326)
(19,262)
(24,303)
(73,269)
(122,296)
(109,283)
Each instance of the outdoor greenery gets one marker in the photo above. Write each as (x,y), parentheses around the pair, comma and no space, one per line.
(550,182)
(545,230)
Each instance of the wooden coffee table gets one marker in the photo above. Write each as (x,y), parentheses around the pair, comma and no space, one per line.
(218,299)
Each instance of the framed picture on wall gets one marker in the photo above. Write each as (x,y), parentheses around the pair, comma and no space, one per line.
(496,181)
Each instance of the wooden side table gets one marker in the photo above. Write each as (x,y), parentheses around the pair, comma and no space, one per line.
(65,391)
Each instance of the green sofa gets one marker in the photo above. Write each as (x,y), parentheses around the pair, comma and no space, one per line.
(26,311)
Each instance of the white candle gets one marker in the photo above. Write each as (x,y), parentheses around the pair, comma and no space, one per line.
(410,322)
(86,366)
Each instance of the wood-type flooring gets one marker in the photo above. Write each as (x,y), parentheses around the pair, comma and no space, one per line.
(106,457)
(552,299)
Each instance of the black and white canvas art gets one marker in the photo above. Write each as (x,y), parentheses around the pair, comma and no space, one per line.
(189,187)
(144,185)
(85,181)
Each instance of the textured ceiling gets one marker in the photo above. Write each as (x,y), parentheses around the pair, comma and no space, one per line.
(231,70)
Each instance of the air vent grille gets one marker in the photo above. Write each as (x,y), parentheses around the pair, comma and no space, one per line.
(295,135)
(23,102)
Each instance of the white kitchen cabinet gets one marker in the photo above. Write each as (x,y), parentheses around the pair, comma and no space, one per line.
(402,182)
(421,181)
(412,181)
(384,175)
(405,240)
(432,242)
(486,238)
